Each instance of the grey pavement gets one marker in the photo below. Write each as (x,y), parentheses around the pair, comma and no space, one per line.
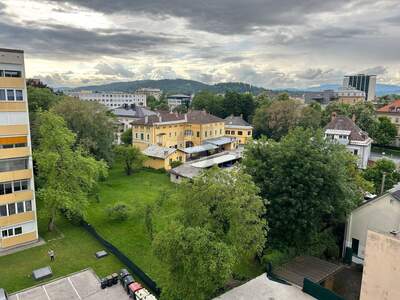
(82,285)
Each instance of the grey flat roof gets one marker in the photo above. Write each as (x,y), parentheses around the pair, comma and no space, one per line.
(214,161)
(219,141)
(198,149)
(159,152)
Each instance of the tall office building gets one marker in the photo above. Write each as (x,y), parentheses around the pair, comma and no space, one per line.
(18,224)
(362,82)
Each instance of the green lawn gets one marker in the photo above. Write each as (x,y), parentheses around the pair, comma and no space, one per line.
(74,252)
(131,236)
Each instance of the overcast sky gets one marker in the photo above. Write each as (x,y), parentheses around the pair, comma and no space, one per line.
(269,43)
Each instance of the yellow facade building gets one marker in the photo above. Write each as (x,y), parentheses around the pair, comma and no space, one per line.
(165,131)
(238,128)
(18,224)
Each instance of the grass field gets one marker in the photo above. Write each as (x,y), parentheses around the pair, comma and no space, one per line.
(74,252)
(130,236)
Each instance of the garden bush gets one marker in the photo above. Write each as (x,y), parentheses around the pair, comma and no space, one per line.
(118,212)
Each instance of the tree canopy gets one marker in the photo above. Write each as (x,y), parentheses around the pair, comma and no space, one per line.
(92,123)
(375,174)
(384,131)
(310,185)
(131,157)
(220,222)
(65,175)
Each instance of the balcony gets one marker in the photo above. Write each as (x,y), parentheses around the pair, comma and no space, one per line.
(17,219)
(15,175)
(14,152)
(13,106)
(12,82)
(8,130)
(16,197)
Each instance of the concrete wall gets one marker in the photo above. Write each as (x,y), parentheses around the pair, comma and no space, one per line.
(381,214)
(381,273)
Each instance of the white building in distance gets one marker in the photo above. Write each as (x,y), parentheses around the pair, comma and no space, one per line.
(344,131)
(156,93)
(111,99)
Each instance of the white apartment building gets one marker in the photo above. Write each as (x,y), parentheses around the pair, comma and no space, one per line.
(344,131)
(111,99)
(177,100)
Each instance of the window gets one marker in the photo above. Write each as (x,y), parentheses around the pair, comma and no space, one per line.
(28,205)
(4,233)
(10,95)
(205,133)
(3,95)
(198,133)
(18,230)
(20,207)
(12,73)
(232,132)
(240,133)
(8,188)
(142,136)
(11,209)
(13,164)
(3,210)
(18,95)
(227,132)
(148,137)
(220,131)
(355,152)
(248,133)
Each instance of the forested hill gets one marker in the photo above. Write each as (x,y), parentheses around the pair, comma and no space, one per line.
(175,86)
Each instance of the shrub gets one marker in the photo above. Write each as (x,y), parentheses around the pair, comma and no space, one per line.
(176,163)
(118,212)
(277,257)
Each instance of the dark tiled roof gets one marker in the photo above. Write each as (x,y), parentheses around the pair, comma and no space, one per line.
(235,121)
(158,118)
(202,117)
(11,50)
(345,123)
(136,112)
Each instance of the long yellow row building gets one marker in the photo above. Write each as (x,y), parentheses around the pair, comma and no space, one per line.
(18,224)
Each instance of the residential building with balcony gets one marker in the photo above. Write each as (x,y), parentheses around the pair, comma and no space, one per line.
(18,221)
(343,130)
(238,128)
(392,111)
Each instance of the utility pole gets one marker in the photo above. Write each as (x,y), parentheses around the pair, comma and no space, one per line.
(383,182)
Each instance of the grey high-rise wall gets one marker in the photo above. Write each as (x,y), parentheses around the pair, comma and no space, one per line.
(362,82)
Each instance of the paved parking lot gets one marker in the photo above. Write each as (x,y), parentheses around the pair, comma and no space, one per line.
(83,285)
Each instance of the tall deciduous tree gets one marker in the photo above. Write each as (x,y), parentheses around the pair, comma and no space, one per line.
(93,125)
(384,131)
(210,102)
(65,176)
(131,157)
(196,262)
(277,119)
(221,221)
(126,137)
(383,167)
(308,181)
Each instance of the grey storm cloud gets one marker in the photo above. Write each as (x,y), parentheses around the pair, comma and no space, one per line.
(55,41)
(220,16)
(378,70)
(114,70)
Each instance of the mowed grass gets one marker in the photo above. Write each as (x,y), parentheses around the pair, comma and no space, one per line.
(74,252)
(131,236)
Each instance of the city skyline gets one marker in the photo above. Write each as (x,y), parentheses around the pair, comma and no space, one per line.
(264,43)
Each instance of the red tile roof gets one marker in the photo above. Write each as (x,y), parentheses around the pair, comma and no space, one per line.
(391,107)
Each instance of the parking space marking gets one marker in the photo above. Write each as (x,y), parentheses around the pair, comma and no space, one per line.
(69,280)
(48,297)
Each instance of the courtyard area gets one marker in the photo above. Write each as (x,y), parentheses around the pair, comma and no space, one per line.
(82,285)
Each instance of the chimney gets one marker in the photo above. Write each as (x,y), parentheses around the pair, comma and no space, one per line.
(333,116)
(241,115)
(185,117)
(204,111)
(353,117)
(146,119)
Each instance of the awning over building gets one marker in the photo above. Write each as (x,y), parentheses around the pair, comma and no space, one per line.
(214,161)
(219,141)
(198,149)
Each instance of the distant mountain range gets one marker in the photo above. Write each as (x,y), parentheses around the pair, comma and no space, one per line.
(170,86)
(184,86)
